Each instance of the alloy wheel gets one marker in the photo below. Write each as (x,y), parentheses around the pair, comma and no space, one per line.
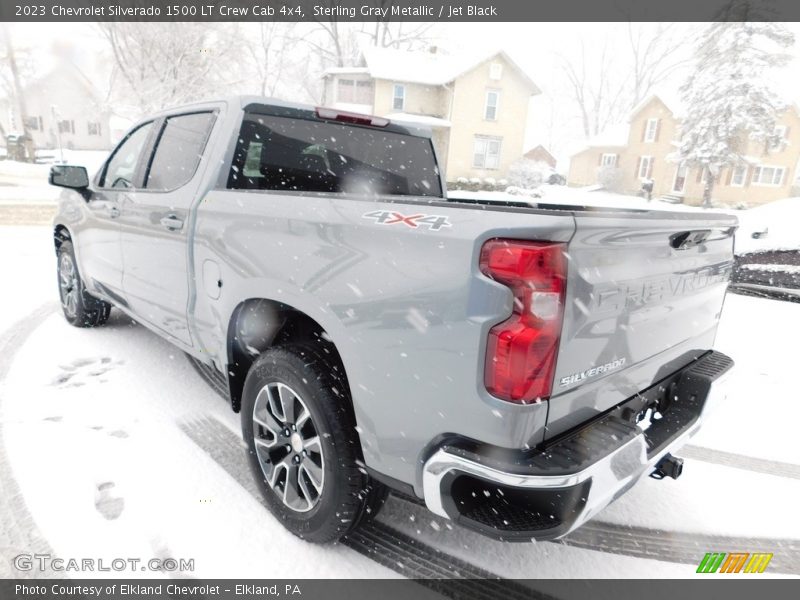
(288,446)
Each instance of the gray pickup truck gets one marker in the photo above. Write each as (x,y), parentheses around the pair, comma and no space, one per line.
(515,366)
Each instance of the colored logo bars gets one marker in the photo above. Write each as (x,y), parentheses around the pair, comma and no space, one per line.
(734,562)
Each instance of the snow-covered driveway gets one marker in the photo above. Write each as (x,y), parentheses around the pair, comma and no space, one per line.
(113,445)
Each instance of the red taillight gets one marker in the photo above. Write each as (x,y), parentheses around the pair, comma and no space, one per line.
(349,117)
(521,352)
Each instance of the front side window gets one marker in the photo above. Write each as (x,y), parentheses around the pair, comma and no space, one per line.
(492,105)
(309,155)
(178,150)
(121,168)
(399,97)
(93,128)
(486,153)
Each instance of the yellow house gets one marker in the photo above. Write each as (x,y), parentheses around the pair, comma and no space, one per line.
(642,150)
(476,108)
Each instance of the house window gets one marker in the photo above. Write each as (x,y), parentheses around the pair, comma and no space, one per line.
(645,170)
(486,152)
(93,128)
(399,97)
(66,126)
(492,105)
(771,176)
(496,71)
(354,91)
(33,123)
(608,160)
(651,130)
(738,176)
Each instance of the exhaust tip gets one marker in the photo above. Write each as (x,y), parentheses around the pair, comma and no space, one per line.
(669,466)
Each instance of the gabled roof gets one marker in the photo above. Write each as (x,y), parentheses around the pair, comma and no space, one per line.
(427,68)
(672,101)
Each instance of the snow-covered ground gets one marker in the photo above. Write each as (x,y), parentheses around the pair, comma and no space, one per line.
(27,183)
(106,432)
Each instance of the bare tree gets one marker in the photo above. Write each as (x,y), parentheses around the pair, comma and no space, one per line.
(654,56)
(13,84)
(160,64)
(606,81)
(339,44)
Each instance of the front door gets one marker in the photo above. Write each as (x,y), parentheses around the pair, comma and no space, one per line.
(100,252)
(155,225)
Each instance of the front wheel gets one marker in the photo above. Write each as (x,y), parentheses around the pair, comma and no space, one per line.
(80,308)
(303,447)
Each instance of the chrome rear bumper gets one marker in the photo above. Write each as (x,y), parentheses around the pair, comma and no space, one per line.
(589,489)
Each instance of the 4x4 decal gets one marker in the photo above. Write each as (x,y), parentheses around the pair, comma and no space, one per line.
(386,217)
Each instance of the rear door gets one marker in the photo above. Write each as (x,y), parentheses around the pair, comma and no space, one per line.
(155,224)
(644,296)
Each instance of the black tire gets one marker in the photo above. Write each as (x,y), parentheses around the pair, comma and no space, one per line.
(80,308)
(347,494)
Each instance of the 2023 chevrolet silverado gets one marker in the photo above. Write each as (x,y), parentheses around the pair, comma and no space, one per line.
(517,367)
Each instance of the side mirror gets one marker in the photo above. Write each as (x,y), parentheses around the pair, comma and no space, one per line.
(75,178)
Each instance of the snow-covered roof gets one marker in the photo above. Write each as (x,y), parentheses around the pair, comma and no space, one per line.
(346,70)
(425,120)
(670,98)
(427,68)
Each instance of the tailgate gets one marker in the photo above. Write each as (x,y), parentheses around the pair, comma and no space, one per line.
(644,297)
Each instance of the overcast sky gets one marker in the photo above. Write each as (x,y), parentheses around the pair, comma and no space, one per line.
(539,48)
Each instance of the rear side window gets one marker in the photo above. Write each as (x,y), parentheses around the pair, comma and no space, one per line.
(178,150)
(279,153)
(121,168)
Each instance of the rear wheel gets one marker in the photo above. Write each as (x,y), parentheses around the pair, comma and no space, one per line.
(80,308)
(303,447)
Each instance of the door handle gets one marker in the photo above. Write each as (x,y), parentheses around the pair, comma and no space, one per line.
(113,211)
(172,222)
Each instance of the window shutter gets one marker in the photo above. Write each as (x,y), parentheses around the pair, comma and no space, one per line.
(638,167)
(658,129)
(730,175)
(650,167)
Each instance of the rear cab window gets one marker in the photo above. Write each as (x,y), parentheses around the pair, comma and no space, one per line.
(298,154)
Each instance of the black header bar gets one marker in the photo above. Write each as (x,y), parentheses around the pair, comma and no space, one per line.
(399,10)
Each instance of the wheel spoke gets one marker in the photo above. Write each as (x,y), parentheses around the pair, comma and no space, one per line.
(302,418)
(290,492)
(313,442)
(273,477)
(266,443)
(314,474)
(262,414)
(304,491)
(287,399)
